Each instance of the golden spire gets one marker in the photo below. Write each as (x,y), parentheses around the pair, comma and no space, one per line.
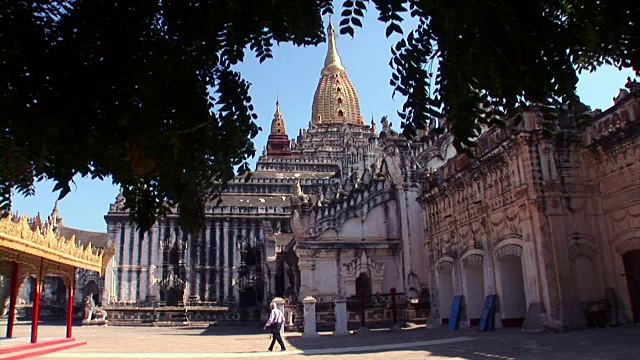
(277,125)
(335,100)
(332,63)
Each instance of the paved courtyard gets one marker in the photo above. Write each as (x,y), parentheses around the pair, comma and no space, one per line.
(234,342)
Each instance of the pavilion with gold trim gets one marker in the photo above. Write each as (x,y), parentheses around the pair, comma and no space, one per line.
(39,252)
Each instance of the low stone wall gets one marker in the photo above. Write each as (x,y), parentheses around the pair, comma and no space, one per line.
(375,317)
(169,315)
(49,312)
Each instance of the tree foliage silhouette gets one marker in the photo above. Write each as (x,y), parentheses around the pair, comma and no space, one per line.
(145,92)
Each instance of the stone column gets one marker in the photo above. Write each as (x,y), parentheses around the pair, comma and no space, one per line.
(309,317)
(341,316)
(280,305)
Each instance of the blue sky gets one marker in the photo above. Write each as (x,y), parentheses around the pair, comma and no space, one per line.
(292,76)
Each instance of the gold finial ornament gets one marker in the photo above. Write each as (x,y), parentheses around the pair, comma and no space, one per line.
(277,124)
(332,62)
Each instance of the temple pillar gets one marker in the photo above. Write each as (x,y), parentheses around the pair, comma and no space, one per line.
(285,269)
(36,303)
(70,303)
(13,297)
(309,317)
(341,316)
(307,277)
(270,290)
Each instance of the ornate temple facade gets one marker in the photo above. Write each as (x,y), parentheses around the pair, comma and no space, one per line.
(329,213)
(549,224)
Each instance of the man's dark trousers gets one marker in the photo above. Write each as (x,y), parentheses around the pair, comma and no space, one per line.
(275,330)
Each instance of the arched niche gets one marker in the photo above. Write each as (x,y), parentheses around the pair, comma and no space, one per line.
(363,264)
(510,278)
(444,279)
(473,284)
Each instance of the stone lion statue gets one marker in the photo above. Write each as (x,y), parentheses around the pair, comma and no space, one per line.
(93,313)
(298,197)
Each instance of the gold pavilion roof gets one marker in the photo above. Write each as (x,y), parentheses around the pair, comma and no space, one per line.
(335,100)
(44,243)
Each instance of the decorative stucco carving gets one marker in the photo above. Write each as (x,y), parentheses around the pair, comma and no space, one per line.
(445,265)
(45,243)
(510,249)
(312,218)
(625,245)
(363,264)
(472,260)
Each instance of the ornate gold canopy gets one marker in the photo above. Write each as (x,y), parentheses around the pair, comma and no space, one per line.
(19,240)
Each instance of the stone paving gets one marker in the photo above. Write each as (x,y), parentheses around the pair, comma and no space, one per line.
(235,342)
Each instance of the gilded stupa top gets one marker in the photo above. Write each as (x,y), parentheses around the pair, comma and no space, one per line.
(277,124)
(335,100)
(332,62)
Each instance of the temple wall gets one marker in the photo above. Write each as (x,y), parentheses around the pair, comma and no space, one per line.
(210,262)
(338,266)
(542,223)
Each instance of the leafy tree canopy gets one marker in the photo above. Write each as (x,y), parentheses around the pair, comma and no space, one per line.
(145,92)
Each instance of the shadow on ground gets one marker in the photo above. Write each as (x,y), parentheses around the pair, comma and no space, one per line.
(503,344)
(418,342)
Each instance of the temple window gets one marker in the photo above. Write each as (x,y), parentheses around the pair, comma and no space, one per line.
(339,101)
(340,113)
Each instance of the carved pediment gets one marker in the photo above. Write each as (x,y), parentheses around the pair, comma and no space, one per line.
(311,219)
(364,264)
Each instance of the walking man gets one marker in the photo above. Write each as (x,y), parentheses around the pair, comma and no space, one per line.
(275,323)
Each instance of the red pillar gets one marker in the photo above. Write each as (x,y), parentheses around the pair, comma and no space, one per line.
(70,303)
(36,305)
(13,297)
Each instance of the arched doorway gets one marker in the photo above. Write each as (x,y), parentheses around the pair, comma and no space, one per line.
(445,290)
(363,284)
(173,295)
(631,260)
(513,305)
(474,287)
(248,297)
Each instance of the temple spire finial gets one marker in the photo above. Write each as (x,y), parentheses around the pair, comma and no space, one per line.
(332,63)
(277,124)
(278,144)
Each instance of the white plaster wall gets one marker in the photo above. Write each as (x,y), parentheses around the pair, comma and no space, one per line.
(326,276)
(392,277)
(393,222)
(416,239)
(584,279)
(380,222)
(352,228)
